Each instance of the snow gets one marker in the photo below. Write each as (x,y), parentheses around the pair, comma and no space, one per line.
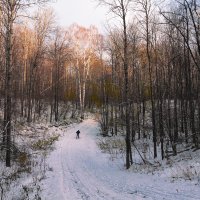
(79,170)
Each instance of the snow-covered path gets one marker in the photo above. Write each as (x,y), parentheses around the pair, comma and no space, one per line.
(81,171)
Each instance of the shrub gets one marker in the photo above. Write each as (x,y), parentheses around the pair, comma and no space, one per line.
(45,143)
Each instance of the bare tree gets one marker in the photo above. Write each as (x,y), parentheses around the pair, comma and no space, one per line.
(42,28)
(10,11)
(120,8)
(146,8)
(59,53)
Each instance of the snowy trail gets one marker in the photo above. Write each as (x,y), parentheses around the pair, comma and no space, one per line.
(81,171)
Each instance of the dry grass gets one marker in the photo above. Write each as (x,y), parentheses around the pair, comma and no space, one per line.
(113,146)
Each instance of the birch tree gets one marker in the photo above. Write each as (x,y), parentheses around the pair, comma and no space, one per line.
(83,47)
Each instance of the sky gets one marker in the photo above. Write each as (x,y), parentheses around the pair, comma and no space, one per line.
(82,12)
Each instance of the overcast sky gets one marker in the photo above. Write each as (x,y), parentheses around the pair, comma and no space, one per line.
(82,12)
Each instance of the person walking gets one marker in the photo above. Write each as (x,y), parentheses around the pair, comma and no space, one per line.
(77,134)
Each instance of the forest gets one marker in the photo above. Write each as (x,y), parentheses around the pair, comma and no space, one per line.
(140,79)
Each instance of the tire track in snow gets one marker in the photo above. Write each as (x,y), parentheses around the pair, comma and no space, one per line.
(83,173)
(63,187)
(75,183)
(85,192)
(86,183)
(111,190)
